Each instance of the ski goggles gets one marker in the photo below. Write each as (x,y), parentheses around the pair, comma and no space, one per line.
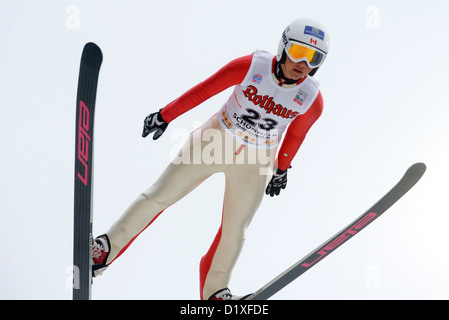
(299,52)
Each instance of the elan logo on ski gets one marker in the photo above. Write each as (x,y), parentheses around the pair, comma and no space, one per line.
(331,246)
(83,141)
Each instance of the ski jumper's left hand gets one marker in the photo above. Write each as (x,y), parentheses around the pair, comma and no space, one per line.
(278,182)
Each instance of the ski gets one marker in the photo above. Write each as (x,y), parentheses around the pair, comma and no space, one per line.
(410,178)
(91,59)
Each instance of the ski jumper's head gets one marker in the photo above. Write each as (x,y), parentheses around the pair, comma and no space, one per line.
(303,48)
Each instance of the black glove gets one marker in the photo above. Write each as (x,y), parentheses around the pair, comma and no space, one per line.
(154,122)
(278,182)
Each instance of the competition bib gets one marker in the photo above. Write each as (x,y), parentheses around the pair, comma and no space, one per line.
(259,110)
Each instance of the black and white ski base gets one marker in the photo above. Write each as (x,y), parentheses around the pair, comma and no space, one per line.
(91,60)
(410,178)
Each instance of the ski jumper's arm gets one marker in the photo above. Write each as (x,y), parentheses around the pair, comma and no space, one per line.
(297,131)
(230,75)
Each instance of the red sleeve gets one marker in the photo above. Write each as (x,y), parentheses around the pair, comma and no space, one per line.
(297,132)
(231,74)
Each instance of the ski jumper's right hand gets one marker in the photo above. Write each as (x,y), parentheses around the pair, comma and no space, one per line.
(154,123)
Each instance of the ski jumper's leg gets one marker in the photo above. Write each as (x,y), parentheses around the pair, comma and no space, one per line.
(183,175)
(174,183)
(245,186)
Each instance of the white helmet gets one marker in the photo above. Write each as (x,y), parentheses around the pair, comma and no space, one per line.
(304,40)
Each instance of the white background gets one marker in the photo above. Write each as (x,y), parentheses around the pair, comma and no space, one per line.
(385,84)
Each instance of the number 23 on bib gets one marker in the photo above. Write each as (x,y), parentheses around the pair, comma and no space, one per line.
(259,110)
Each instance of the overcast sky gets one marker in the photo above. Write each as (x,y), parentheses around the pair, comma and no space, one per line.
(385,86)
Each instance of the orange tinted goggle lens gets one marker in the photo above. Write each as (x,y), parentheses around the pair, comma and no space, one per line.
(297,52)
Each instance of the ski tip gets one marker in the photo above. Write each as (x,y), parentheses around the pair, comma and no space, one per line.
(419,167)
(415,172)
(92,52)
(91,46)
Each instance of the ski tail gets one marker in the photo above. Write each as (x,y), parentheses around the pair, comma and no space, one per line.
(410,178)
(91,60)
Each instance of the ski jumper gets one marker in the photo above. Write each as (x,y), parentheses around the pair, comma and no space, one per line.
(241,140)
